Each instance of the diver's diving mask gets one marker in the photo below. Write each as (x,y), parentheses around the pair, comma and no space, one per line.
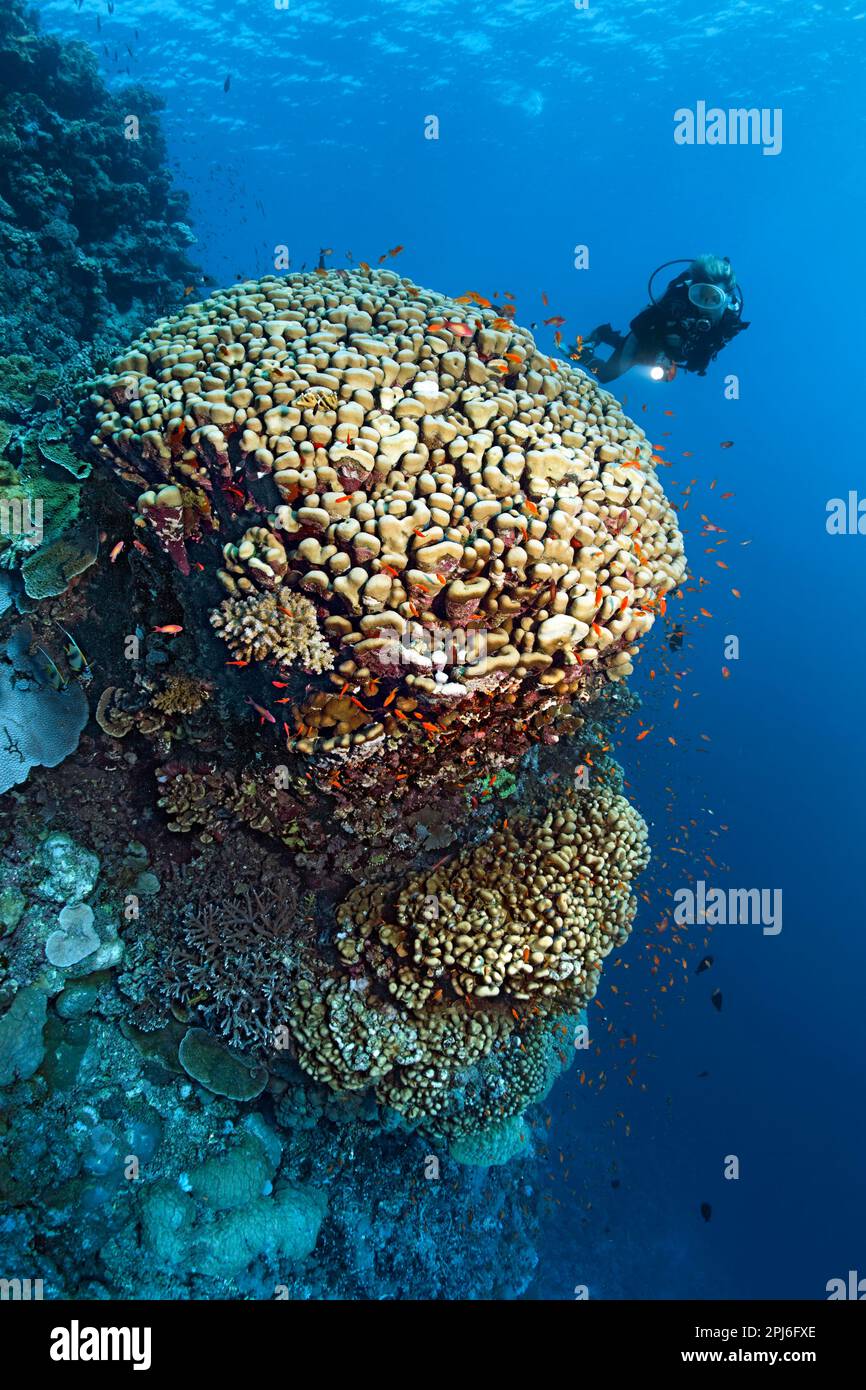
(710,300)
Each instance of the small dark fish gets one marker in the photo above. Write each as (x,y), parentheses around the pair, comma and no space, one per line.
(263,713)
(702,1074)
(703,965)
(228,82)
(706,1210)
(716,997)
(727,444)
(614,1182)
(675,641)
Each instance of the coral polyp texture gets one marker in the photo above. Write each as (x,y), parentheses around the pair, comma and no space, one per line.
(450,963)
(528,915)
(471,521)
(262,627)
(385,549)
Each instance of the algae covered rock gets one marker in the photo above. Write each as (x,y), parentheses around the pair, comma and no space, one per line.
(72,870)
(220,1070)
(223,1215)
(12,905)
(232,1179)
(167,1216)
(92,233)
(21,1044)
(282,1227)
(494,1145)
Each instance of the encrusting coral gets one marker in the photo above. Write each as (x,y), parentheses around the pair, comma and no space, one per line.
(263,627)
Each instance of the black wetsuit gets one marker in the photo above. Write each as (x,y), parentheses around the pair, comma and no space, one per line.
(670,326)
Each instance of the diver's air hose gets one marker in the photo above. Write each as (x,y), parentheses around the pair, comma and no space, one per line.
(678,260)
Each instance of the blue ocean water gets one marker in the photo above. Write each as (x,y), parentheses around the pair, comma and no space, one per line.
(555,130)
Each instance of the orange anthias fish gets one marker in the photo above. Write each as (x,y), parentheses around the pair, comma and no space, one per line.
(115,550)
(170,629)
(557,320)
(460,330)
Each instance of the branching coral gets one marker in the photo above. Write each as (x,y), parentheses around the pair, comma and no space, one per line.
(233,961)
(278,627)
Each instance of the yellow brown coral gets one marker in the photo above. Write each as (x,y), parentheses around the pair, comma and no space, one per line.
(182,694)
(406,474)
(528,915)
(351,1040)
(279,627)
(449,964)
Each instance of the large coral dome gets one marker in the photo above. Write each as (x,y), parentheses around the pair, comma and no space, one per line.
(466,514)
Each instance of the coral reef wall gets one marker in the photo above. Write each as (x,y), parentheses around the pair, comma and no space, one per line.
(312,604)
(93,236)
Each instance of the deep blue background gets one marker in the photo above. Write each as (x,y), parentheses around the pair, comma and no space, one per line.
(556,128)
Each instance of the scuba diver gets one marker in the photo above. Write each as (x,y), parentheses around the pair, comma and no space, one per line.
(699,313)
